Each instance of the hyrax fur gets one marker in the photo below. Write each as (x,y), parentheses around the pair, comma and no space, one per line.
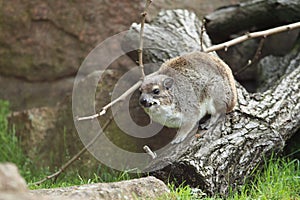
(187,88)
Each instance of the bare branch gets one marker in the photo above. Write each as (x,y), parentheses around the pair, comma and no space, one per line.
(76,157)
(201,34)
(257,34)
(120,98)
(149,152)
(140,50)
(141,65)
(88,117)
(224,45)
(255,57)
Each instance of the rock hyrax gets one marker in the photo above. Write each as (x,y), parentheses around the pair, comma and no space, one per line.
(187,88)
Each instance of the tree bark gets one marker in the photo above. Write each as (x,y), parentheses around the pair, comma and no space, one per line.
(224,157)
(172,33)
(221,159)
(252,15)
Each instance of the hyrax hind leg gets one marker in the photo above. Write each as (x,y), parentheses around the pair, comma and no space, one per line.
(212,121)
(217,113)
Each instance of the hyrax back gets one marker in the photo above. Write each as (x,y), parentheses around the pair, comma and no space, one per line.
(186,89)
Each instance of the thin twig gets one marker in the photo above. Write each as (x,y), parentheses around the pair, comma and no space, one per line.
(88,117)
(120,98)
(150,152)
(224,45)
(74,158)
(255,57)
(202,34)
(140,50)
(248,36)
(141,65)
(221,46)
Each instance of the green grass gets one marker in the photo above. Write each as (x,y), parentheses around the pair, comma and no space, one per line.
(10,151)
(182,192)
(73,177)
(280,178)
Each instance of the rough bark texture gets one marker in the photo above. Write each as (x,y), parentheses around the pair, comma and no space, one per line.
(219,159)
(231,21)
(271,68)
(224,157)
(177,32)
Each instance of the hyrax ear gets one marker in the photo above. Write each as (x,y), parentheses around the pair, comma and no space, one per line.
(168,83)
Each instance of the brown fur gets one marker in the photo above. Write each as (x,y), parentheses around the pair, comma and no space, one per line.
(178,63)
(190,87)
(226,72)
(182,64)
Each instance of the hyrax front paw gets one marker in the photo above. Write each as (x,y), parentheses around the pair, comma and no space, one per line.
(178,139)
(205,125)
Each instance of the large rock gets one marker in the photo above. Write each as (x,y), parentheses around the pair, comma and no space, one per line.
(200,7)
(13,186)
(43,43)
(47,40)
(24,94)
(48,136)
(10,179)
(142,188)
(50,132)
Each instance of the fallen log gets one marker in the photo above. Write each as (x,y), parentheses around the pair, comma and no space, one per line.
(221,159)
(251,16)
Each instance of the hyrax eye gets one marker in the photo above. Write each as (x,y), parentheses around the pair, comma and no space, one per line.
(155,91)
(140,90)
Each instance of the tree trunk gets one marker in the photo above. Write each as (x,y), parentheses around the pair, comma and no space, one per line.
(224,157)
(172,33)
(219,159)
(252,15)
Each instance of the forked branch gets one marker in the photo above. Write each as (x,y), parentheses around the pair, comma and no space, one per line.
(217,47)
(255,57)
(141,46)
(76,157)
(257,34)
(202,31)
(119,99)
(141,65)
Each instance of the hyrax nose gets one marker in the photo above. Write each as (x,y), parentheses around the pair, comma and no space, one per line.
(144,102)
